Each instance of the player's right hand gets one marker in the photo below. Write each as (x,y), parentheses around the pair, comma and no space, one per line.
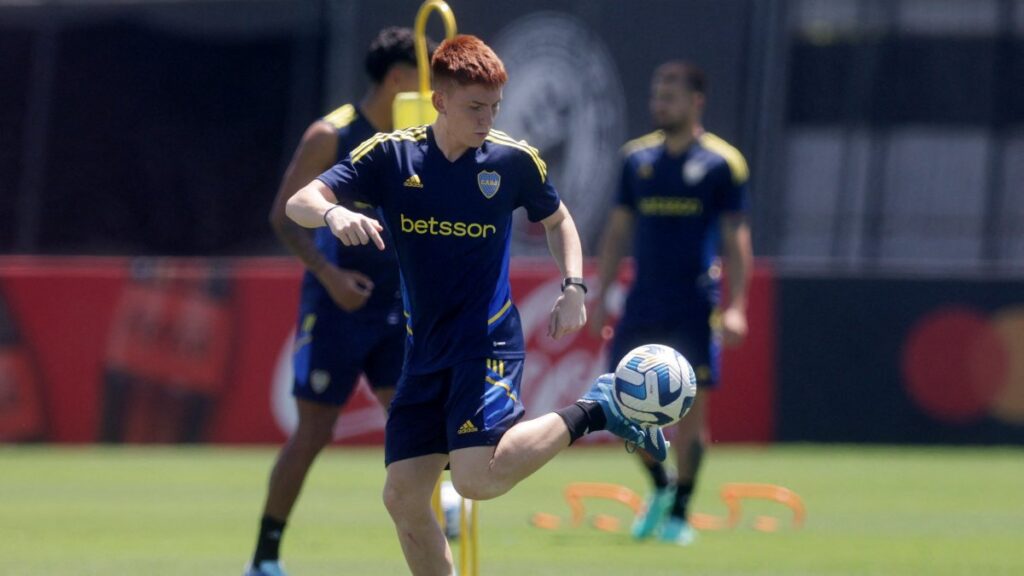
(348,288)
(353,228)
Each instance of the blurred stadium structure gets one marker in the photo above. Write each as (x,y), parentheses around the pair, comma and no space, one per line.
(882,133)
(885,137)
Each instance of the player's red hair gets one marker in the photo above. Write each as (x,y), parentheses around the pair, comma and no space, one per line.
(467,60)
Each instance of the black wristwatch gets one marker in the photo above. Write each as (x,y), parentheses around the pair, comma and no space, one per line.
(574,281)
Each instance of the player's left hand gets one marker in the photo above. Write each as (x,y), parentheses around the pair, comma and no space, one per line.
(734,326)
(569,313)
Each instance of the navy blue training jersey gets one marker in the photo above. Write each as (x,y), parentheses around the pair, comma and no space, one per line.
(678,202)
(380,266)
(451,223)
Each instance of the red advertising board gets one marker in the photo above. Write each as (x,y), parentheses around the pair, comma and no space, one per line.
(164,350)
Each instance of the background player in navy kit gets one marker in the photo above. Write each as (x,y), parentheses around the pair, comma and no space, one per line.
(682,195)
(446,193)
(350,314)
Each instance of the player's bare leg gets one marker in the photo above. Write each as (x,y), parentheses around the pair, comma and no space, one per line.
(384,396)
(314,432)
(688,437)
(690,443)
(484,472)
(407,491)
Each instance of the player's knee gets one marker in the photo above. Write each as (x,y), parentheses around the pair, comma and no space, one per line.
(480,486)
(402,505)
(394,500)
(314,436)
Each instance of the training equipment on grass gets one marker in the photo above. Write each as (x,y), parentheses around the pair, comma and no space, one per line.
(654,385)
(458,518)
(733,494)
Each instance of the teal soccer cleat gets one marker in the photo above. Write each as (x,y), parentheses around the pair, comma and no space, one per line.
(677,531)
(266,568)
(654,513)
(650,438)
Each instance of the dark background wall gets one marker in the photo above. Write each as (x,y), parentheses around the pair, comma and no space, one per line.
(881,134)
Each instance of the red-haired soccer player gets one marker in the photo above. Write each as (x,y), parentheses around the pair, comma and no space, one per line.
(446,193)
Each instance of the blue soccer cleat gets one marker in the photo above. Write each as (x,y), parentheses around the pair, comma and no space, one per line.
(654,513)
(266,568)
(650,438)
(677,531)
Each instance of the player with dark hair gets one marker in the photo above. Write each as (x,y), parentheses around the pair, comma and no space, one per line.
(682,197)
(446,193)
(350,313)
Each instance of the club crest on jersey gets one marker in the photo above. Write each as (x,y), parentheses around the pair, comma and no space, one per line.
(489,182)
(694,171)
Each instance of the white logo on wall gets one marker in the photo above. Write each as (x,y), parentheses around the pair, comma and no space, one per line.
(565,98)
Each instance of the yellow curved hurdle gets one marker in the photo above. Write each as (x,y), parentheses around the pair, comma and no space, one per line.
(415,108)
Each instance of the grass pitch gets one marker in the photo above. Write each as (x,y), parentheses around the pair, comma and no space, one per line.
(174,511)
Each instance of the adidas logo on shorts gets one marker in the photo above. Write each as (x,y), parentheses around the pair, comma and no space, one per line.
(467,427)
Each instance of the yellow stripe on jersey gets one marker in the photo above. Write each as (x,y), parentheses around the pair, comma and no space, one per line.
(733,157)
(341,117)
(411,134)
(656,138)
(499,137)
(308,322)
(504,309)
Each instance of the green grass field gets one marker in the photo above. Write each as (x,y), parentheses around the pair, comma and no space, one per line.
(174,511)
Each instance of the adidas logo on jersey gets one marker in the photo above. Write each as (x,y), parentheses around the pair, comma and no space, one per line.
(413,182)
(467,427)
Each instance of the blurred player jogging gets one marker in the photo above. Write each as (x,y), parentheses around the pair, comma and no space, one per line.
(682,197)
(350,318)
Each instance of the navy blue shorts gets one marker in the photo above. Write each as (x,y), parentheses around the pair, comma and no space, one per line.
(470,404)
(692,337)
(332,347)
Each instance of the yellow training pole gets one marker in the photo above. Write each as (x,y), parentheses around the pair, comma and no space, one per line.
(435,503)
(415,108)
(474,540)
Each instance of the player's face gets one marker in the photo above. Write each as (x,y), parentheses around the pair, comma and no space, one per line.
(672,106)
(470,112)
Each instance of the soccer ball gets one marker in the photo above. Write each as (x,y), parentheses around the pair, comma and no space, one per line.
(654,385)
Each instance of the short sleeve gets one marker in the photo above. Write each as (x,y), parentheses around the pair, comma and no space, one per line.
(354,178)
(625,196)
(537,195)
(732,191)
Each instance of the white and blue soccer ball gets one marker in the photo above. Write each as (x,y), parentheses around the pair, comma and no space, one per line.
(654,385)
